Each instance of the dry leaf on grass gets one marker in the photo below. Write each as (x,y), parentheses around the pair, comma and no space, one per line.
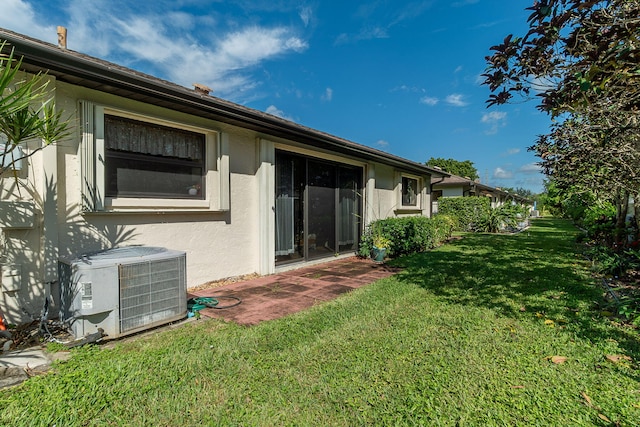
(604,418)
(587,399)
(557,359)
(616,358)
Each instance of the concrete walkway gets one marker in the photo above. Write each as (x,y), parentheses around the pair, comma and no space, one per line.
(18,366)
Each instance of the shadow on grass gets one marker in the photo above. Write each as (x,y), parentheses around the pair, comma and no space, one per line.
(535,274)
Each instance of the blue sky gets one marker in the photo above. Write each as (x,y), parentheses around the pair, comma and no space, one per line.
(400,76)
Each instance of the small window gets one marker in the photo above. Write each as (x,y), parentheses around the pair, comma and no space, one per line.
(409,191)
(147,160)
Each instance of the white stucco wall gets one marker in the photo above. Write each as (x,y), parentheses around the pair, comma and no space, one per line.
(452,192)
(218,244)
(385,200)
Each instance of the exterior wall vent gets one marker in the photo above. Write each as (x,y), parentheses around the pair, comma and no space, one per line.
(122,290)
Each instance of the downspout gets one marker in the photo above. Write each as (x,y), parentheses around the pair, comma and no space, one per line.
(50,235)
(434,183)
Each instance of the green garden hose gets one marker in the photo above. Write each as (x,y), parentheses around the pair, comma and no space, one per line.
(197,304)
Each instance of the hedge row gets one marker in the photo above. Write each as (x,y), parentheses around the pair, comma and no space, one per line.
(476,214)
(408,234)
(466,211)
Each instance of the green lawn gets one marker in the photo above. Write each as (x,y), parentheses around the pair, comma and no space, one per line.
(463,336)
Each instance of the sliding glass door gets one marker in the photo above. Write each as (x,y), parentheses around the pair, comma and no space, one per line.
(290,178)
(318,208)
(321,215)
(349,208)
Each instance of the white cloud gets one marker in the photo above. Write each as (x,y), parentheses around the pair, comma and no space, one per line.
(19,16)
(526,176)
(382,143)
(456,100)
(429,100)
(512,151)
(500,173)
(487,25)
(368,33)
(495,120)
(410,11)
(405,88)
(494,116)
(254,44)
(328,94)
(393,13)
(458,69)
(275,111)
(162,43)
(306,13)
(531,168)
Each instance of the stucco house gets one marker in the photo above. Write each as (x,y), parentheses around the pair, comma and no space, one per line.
(457,186)
(153,163)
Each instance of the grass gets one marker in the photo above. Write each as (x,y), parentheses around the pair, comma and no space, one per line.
(463,336)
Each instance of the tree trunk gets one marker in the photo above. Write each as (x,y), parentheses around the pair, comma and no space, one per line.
(636,216)
(622,207)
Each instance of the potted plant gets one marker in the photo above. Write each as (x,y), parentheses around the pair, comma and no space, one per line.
(380,246)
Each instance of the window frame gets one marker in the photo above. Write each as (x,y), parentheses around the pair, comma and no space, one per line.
(405,178)
(420,193)
(151,162)
(215,167)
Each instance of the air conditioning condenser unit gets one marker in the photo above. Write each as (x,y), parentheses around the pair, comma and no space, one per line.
(122,290)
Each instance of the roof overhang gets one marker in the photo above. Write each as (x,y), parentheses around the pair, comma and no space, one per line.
(93,73)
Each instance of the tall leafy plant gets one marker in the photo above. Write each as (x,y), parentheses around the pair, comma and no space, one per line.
(27,111)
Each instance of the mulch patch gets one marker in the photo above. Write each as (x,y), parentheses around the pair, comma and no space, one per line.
(29,335)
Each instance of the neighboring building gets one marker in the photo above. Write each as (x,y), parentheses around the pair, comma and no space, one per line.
(153,163)
(457,186)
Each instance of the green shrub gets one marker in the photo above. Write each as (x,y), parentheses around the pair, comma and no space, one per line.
(608,261)
(505,217)
(599,221)
(467,212)
(407,235)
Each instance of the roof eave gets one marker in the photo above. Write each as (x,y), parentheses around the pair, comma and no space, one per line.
(100,75)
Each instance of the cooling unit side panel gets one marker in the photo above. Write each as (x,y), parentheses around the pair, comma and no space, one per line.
(89,297)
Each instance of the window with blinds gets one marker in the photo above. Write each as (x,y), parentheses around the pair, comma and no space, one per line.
(150,160)
(128,162)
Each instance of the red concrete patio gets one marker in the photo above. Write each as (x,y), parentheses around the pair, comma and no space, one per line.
(277,295)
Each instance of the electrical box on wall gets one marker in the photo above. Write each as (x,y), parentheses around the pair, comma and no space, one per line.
(11,277)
